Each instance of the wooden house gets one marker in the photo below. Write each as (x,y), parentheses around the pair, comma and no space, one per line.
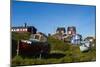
(22,29)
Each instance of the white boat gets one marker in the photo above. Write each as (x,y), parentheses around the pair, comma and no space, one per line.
(85,46)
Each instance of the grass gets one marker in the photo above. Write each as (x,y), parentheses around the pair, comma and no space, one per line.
(56,57)
(60,53)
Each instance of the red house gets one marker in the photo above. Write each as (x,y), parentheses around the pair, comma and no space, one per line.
(25,28)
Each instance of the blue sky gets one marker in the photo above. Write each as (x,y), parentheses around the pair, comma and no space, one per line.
(46,17)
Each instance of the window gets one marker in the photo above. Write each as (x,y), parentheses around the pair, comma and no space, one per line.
(62,31)
(12,30)
(20,29)
(37,36)
(69,32)
(17,29)
(25,29)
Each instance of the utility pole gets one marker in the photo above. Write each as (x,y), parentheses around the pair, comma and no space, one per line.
(18,48)
(41,54)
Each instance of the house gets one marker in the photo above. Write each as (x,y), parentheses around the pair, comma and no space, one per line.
(91,39)
(76,39)
(22,29)
(60,30)
(71,30)
(67,38)
(57,36)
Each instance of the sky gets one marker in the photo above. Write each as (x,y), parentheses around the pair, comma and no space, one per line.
(46,17)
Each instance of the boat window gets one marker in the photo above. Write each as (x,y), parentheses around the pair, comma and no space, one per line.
(36,36)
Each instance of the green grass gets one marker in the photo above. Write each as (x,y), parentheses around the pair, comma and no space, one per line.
(60,53)
(19,36)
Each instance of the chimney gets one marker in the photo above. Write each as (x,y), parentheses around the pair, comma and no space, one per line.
(25,24)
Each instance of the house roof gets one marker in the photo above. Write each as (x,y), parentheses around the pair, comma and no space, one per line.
(60,29)
(88,38)
(42,34)
(71,27)
(20,27)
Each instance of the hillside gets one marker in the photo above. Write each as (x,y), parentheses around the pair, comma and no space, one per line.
(61,52)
